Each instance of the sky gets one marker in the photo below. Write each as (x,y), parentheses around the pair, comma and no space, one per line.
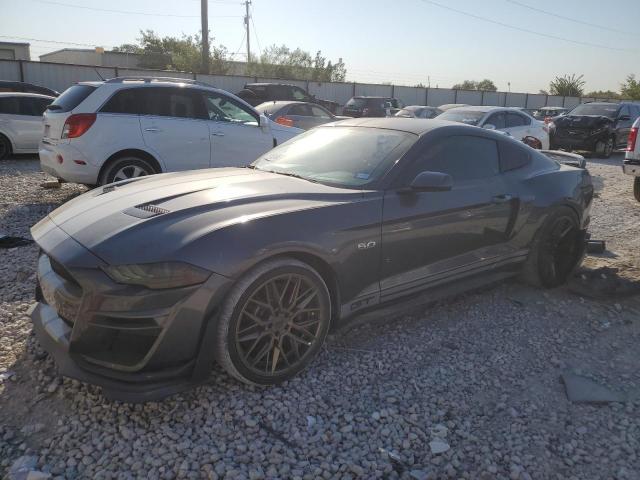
(406,42)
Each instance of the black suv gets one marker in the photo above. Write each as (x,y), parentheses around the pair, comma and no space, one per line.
(256,93)
(599,127)
(372,107)
(24,87)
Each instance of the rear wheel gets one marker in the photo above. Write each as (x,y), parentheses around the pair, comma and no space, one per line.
(273,323)
(556,250)
(125,168)
(636,188)
(5,147)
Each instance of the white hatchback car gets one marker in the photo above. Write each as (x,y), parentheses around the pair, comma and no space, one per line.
(102,132)
(21,122)
(510,120)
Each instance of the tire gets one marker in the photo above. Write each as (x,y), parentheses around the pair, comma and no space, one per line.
(5,147)
(554,255)
(124,168)
(248,352)
(605,148)
(636,188)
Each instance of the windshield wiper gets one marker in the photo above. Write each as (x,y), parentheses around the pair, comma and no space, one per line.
(289,174)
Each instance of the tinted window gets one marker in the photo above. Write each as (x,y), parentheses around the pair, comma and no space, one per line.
(624,111)
(299,94)
(462,156)
(301,110)
(280,92)
(170,102)
(635,112)
(33,107)
(223,109)
(9,105)
(516,120)
(72,97)
(356,103)
(607,110)
(498,120)
(125,101)
(513,156)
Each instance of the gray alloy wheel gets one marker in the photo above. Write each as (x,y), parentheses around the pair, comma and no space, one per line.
(5,147)
(556,251)
(636,188)
(125,168)
(605,148)
(273,322)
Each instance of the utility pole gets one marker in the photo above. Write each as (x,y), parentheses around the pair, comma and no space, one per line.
(204,17)
(246,23)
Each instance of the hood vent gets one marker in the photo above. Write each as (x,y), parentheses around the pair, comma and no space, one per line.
(146,210)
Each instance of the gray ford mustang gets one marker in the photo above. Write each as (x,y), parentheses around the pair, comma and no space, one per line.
(142,284)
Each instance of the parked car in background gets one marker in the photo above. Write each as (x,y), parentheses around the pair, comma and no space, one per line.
(449,106)
(548,114)
(418,111)
(141,285)
(297,114)
(24,87)
(598,127)
(363,106)
(513,121)
(631,164)
(21,122)
(257,93)
(102,132)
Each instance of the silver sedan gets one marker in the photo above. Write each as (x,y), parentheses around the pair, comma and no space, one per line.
(298,114)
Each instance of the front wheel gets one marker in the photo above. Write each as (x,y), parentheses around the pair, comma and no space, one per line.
(605,147)
(556,251)
(273,322)
(5,147)
(125,168)
(636,188)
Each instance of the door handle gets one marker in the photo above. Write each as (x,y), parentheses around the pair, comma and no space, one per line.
(217,134)
(151,129)
(504,198)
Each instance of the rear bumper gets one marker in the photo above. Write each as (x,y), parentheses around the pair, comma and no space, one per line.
(137,344)
(68,170)
(632,169)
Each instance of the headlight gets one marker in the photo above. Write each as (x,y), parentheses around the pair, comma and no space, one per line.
(158,275)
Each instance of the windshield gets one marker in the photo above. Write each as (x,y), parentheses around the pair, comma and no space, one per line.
(593,109)
(72,97)
(340,156)
(470,117)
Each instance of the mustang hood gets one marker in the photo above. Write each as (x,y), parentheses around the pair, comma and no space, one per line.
(176,208)
(582,121)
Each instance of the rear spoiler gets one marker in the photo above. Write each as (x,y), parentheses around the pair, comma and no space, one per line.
(566,158)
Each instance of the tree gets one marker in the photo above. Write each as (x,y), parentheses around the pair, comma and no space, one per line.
(631,88)
(603,94)
(567,86)
(282,62)
(184,54)
(485,85)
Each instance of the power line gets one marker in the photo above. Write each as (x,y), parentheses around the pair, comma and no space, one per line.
(255,32)
(533,32)
(574,20)
(128,12)
(244,35)
(50,41)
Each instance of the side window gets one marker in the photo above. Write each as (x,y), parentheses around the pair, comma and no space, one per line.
(26,106)
(497,119)
(464,157)
(624,111)
(9,105)
(516,120)
(300,110)
(319,112)
(299,94)
(127,101)
(170,102)
(223,109)
(41,105)
(635,112)
(513,156)
(280,92)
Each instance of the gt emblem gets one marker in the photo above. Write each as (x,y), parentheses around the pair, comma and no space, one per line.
(366,245)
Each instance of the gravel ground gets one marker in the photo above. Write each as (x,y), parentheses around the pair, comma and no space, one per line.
(465,388)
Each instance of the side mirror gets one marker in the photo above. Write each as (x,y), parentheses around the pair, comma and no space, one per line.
(432,182)
(263,122)
(489,126)
(624,118)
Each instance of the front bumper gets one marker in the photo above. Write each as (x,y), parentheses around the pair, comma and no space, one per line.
(137,344)
(580,141)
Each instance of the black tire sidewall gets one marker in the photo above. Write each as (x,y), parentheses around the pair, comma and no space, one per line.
(636,188)
(228,331)
(112,169)
(7,147)
(543,257)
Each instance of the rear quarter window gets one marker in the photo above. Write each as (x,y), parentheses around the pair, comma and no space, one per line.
(9,105)
(72,97)
(513,156)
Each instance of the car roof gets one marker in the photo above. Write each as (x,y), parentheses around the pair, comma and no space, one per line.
(25,94)
(417,126)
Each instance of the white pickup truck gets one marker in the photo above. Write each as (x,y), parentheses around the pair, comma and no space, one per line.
(631,164)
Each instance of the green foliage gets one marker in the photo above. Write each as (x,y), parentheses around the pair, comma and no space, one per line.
(568,86)
(171,53)
(282,62)
(602,94)
(485,85)
(631,88)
